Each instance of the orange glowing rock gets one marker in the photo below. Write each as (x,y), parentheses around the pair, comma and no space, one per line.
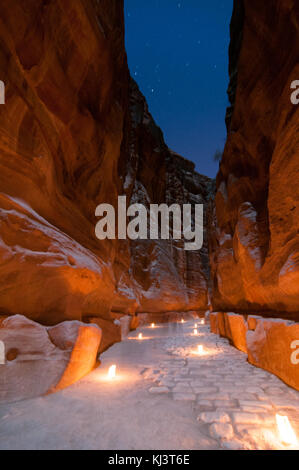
(242,276)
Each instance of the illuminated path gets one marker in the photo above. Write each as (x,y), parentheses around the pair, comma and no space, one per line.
(166,396)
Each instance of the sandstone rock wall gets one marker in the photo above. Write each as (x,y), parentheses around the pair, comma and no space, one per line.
(40,360)
(271,344)
(254,239)
(65,71)
(75,132)
(166,277)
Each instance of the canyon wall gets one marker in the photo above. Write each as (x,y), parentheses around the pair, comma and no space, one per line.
(254,223)
(165,276)
(75,132)
(65,70)
(270,343)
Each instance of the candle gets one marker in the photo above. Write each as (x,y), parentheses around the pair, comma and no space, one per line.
(153,325)
(200,349)
(286,432)
(140,336)
(112,372)
(195,332)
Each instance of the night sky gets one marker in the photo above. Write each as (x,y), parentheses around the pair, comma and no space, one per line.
(178,54)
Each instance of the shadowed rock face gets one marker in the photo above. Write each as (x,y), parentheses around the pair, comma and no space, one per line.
(76,132)
(254,226)
(166,277)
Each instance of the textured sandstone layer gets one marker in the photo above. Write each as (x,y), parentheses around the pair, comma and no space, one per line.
(254,240)
(64,66)
(271,344)
(115,329)
(76,132)
(165,276)
(40,360)
(169,317)
(231,326)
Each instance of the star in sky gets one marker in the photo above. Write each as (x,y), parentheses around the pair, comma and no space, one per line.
(184,77)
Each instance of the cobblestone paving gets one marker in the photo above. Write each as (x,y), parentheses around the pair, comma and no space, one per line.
(166,396)
(236,401)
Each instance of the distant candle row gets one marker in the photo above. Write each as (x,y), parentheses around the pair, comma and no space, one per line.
(202,322)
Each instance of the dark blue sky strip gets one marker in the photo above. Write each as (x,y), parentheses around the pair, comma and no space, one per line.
(178,54)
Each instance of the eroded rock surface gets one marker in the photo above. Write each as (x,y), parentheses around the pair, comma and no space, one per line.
(163,276)
(76,132)
(255,220)
(65,70)
(40,360)
(270,343)
(274,346)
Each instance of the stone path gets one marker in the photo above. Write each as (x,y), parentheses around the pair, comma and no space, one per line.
(166,396)
(237,401)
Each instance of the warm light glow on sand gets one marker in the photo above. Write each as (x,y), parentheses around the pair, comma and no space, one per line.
(121,377)
(286,432)
(140,337)
(203,352)
(112,372)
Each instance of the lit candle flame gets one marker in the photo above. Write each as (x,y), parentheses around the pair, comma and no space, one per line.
(195,332)
(112,372)
(200,349)
(195,326)
(182,320)
(286,432)
(202,322)
(140,336)
(153,325)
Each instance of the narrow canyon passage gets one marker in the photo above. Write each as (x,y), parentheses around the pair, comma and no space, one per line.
(107,223)
(166,395)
